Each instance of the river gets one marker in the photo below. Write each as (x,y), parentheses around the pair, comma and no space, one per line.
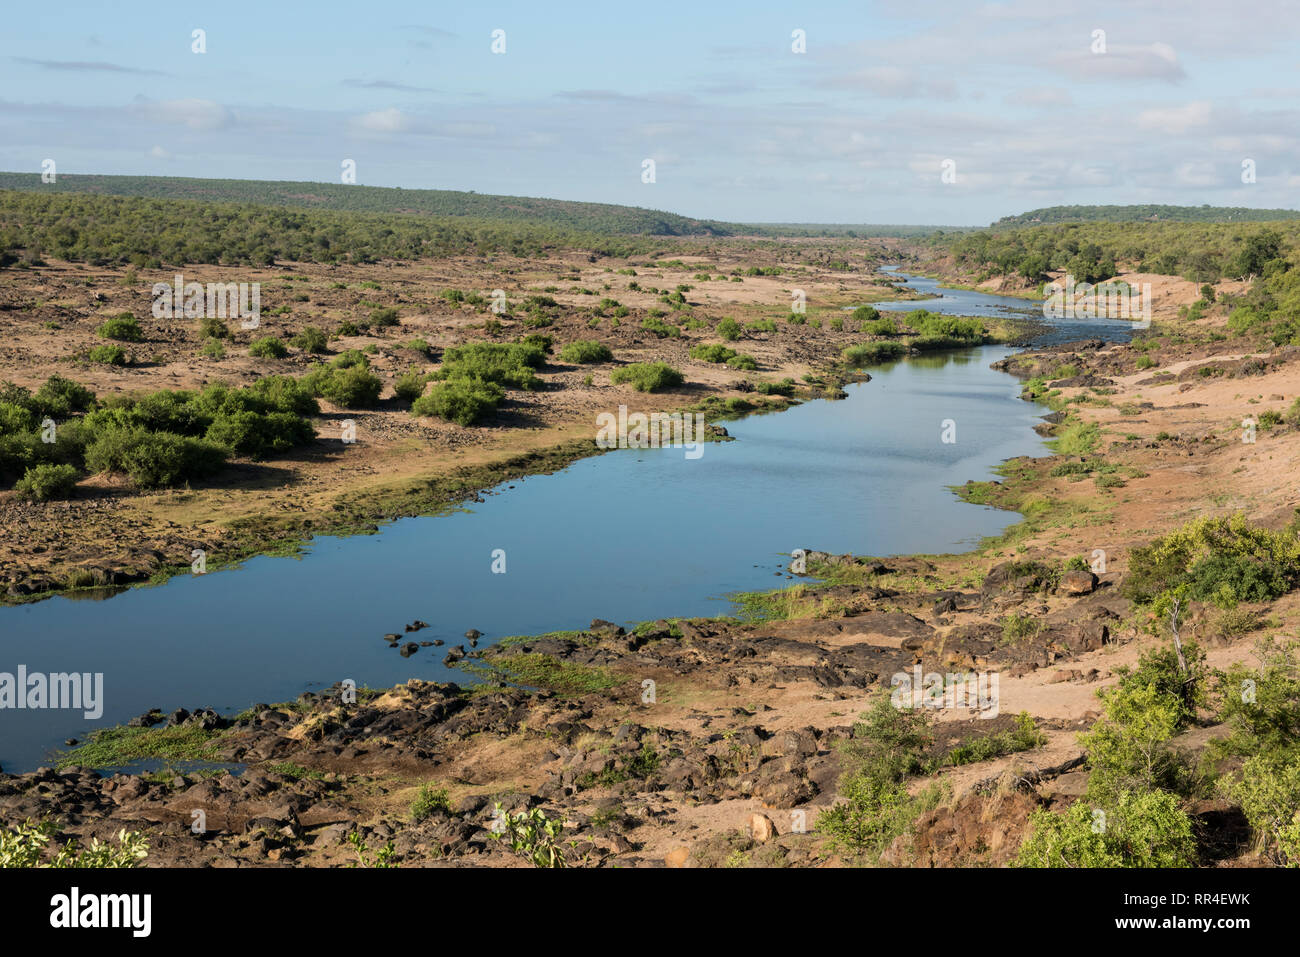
(626,536)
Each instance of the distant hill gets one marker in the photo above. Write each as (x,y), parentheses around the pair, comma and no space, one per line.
(851,230)
(1145,213)
(604,218)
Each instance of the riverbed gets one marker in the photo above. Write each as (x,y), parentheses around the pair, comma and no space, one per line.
(626,536)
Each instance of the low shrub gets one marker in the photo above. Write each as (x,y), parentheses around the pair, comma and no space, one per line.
(660,329)
(268,347)
(311,340)
(107,355)
(712,353)
(349,358)
(1140,829)
(153,459)
(210,327)
(44,482)
(409,385)
(873,353)
(463,401)
(785,387)
(354,387)
(743,362)
(123,328)
(259,435)
(381,318)
(504,364)
(585,351)
(648,376)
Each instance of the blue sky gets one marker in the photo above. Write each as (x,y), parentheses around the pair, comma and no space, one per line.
(740,127)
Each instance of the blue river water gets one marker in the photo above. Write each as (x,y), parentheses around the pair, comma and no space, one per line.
(626,536)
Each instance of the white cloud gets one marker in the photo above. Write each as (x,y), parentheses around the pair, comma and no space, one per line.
(1041,97)
(195,114)
(1199,174)
(1153,61)
(892,81)
(391,120)
(1178,119)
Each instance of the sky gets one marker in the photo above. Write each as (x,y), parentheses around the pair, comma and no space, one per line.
(1020,104)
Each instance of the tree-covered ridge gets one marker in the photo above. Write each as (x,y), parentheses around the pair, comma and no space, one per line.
(1093,252)
(119,230)
(1148,212)
(556,213)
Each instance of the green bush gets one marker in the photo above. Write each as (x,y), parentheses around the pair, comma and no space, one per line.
(729,329)
(501,363)
(1268,790)
(259,435)
(428,801)
(886,744)
(274,393)
(268,347)
(353,387)
(534,342)
(1139,829)
(884,326)
(1077,437)
(712,353)
(153,459)
(866,314)
(381,318)
(760,325)
(210,327)
(648,376)
(44,482)
(1268,718)
(409,385)
(213,349)
(1024,736)
(123,328)
(60,397)
(660,329)
(873,353)
(463,401)
(108,355)
(1128,746)
(1223,560)
(15,418)
(742,361)
(583,351)
(349,358)
(28,844)
(785,387)
(310,339)
(949,330)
